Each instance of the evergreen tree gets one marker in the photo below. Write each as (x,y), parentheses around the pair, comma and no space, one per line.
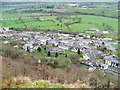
(78,52)
(44,48)
(39,49)
(28,49)
(102,12)
(108,84)
(65,55)
(49,54)
(103,43)
(56,54)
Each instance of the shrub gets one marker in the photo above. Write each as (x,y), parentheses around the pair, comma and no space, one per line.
(73,57)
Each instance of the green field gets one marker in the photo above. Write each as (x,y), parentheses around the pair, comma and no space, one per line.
(42,9)
(47,23)
(17,15)
(51,23)
(109,10)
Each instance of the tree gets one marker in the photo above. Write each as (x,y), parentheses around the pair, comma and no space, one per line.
(102,48)
(108,83)
(56,54)
(78,52)
(28,49)
(103,24)
(80,20)
(103,43)
(49,54)
(38,19)
(44,48)
(102,12)
(65,55)
(39,49)
(20,19)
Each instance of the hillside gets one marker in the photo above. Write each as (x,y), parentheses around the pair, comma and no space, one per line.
(25,82)
(16,63)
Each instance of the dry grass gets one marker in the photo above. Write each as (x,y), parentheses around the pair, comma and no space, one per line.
(24,66)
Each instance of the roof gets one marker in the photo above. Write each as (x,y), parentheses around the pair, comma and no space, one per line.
(94,29)
(110,58)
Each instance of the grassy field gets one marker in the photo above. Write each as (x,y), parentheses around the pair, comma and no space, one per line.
(50,22)
(7,9)
(17,15)
(116,46)
(99,20)
(109,10)
(42,9)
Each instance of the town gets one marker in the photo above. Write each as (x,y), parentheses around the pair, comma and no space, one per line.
(59,44)
(92,48)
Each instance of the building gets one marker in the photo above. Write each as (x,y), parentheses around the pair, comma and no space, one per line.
(94,29)
(73,5)
(54,50)
(105,32)
(111,61)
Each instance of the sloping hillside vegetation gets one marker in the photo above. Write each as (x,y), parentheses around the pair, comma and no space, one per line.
(15,63)
(25,82)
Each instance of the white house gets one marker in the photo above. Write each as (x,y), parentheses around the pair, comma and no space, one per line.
(6,28)
(30,46)
(86,57)
(63,47)
(111,61)
(105,32)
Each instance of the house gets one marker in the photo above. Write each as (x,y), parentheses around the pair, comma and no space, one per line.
(16,46)
(111,61)
(105,29)
(64,47)
(110,47)
(105,32)
(43,41)
(94,29)
(107,39)
(54,50)
(86,36)
(5,42)
(91,69)
(25,38)
(30,46)
(86,57)
(6,28)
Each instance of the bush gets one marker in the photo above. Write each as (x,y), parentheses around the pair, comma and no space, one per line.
(25,82)
(73,57)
